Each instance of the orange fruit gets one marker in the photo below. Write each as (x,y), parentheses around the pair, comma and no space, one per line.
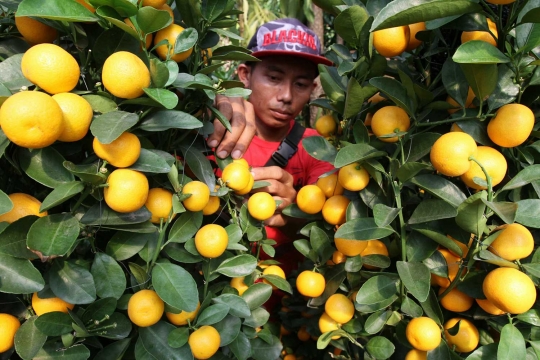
(170,33)
(494,163)
(389,120)
(147,38)
(125,75)
(310,199)
(261,206)
(211,240)
(9,325)
(183,317)
(145,308)
(452,263)
(239,284)
(414,29)
(423,333)
(309,283)
(248,187)
(204,342)
(34,31)
(353,177)
(159,203)
(168,9)
(467,337)
(511,126)
(456,300)
(303,334)
(51,68)
(200,195)
(464,248)
(482,35)
(350,247)
(325,125)
(127,190)
(374,247)
(330,185)
(338,257)
(450,153)
(509,290)
(414,354)
(273,270)
(514,242)
(23,205)
(31,119)
(154,3)
(326,324)
(45,305)
(392,41)
(212,206)
(121,152)
(77,116)
(488,307)
(339,308)
(236,176)
(86,5)
(335,209)
(454,103)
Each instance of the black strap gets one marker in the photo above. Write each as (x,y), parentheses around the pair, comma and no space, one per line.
(288,147)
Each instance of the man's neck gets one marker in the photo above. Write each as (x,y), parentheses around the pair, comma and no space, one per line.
(270,133)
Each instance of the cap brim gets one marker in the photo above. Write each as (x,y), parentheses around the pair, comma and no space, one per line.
(313,58)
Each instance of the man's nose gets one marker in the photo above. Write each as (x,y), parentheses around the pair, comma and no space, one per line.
(285,93)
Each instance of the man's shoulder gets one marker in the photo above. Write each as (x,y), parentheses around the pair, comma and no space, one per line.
(310,132)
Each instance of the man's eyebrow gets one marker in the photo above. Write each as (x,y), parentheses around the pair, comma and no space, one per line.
(280,70)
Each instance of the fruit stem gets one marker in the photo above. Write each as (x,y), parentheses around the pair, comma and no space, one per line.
(434,123)
(403,234)
(162,231)
(488,178)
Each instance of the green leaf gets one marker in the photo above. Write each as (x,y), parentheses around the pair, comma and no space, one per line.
(101,215)
(11,73)
(125,8)
(213,9)
(528,213)
(479,52)
(185,40)
(263,350)
(377,289)
(151,20)
(109,276)
(416,278)
(124,245)
(512,344)
(56,10)
(233,55)
(278,282)
(491,258)
(524,177)
(4,142)
(530,317)
(404,12)
(212,314)
(441,188)
(19,276)
(166,98)
(54,323)
(506,90)
(185,227)
(13,238)
(153,340)
(454,81)
(431,210)
(431,307)
(151,161)
(228,329)
(435,235)
(175,286)
(99,310)
(411,169)
(178,337)
(200,165)
(375,322)
(71,282)
(88,173)
(61,194)
(319,148)
(237,305)
(410,308)
(363,229)
(55,350)
(507,211)
(240,265)
(241,347)
(109,126)
(28,339)
(395,91)
(259,317)
(115,350)
(380,347)
(170,119)
(100,104)
(348,24)
(384,215)
(45,166)
(356,153)
(257,294)
(420,145)
(482,78)
(485,352)
(54,234)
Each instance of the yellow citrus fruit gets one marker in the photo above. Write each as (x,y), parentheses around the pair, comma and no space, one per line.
(326,324)
(482,35)
(494,163)
(353,177)
(31,119)
(488,307)
(415,354)
(290,357)
(455,128)
(127,190)
(310,199)
(464,248)
(248,187)
(377,98)
(147,38)
(239,284)
(154,3)
(452,263)
(200,195)
(145,308)
(212,206)
(9,325)
(204,342)
(23,205)
(236,176)
(330,185)
(500,2)
(125,75)
(514,242)
(309,283)
(456,300)
(51,68)
(388,120)
(335,209)
(510,290)
(77,116)
(467,337)
(121,152)
(303,334)
(325,125)
(414,29)
(182,317)
(159,203)
(339,308)
(392,41)
(168,9)
(261,206)
(241,161)
(170,33)
(454,103)
(35,32)
(43,306)
(511,126)
(273,270)
(374,247)
(338,257)
(450,153)
(423,333)
(86,5)
(350,247)
(211,240)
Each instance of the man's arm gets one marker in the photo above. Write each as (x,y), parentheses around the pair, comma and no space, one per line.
(241,114)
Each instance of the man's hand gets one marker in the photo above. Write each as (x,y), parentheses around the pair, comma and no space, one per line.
(281,188)
(242,118)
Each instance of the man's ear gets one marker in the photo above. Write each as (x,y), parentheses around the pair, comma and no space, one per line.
(244,74)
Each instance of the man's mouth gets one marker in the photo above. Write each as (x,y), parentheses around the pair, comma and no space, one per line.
(280,114)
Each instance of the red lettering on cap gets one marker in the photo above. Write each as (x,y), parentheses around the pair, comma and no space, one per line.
(311,42)
(292,36)
(274,37)
(267,39)
(282,36)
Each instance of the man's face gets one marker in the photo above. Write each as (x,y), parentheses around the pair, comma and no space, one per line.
(281,86)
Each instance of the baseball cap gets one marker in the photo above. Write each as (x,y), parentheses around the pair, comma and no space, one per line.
(287,37)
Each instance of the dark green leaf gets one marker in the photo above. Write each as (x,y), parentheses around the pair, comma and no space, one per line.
(56,10)
(432,309)
(175,286)
(263,350)
(485,352)
(151,161)
(54,323)
(375,322)
(13,238)
(124,245)
(61,194)
(109,126)
(240,265)
(507,211)
(185,227)
(55,350)
(431,210)
(54,234)
(524,177)
(170,119)
(395,91)
(356,153)
(363,229)
(212,314)
(479,52)
(454,81)
(45,166)
(200,165)
(116,350)
(380,347)
(319,148)
(100,104)
(71,282)
(178,337)
(154,342)
(28,339)
(377,289)
(420,145)
(241,347)
(528,213)
(512,344)
(237,305)
(151,20)
(228,329)
(166,98)
(416,278)
(441,188)
(348,24)
(19,276)
(482,78)
(99,214)
(257,294)
(109,276)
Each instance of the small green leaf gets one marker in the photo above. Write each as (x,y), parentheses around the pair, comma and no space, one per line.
(363,229)
(109,276)
(61,194)
(416,278)
(257,294)
(380,347)
(54,323)
(175,286)
(109,126)
(19,276)
(45,166)
(512,344)
(356,153)
(166,98)
(441,188)
(56,10)
(212,314)
(395,91)
(151,20)
(170,119)
(54,234)
(185,40)
(319,148)
(178,337)
(479,52)
(71,282)
(151,161)
(28,339)
(240,265)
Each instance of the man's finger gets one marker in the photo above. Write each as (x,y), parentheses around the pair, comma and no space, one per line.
(238,124)
(224,105)
(247,134)
(272,172)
